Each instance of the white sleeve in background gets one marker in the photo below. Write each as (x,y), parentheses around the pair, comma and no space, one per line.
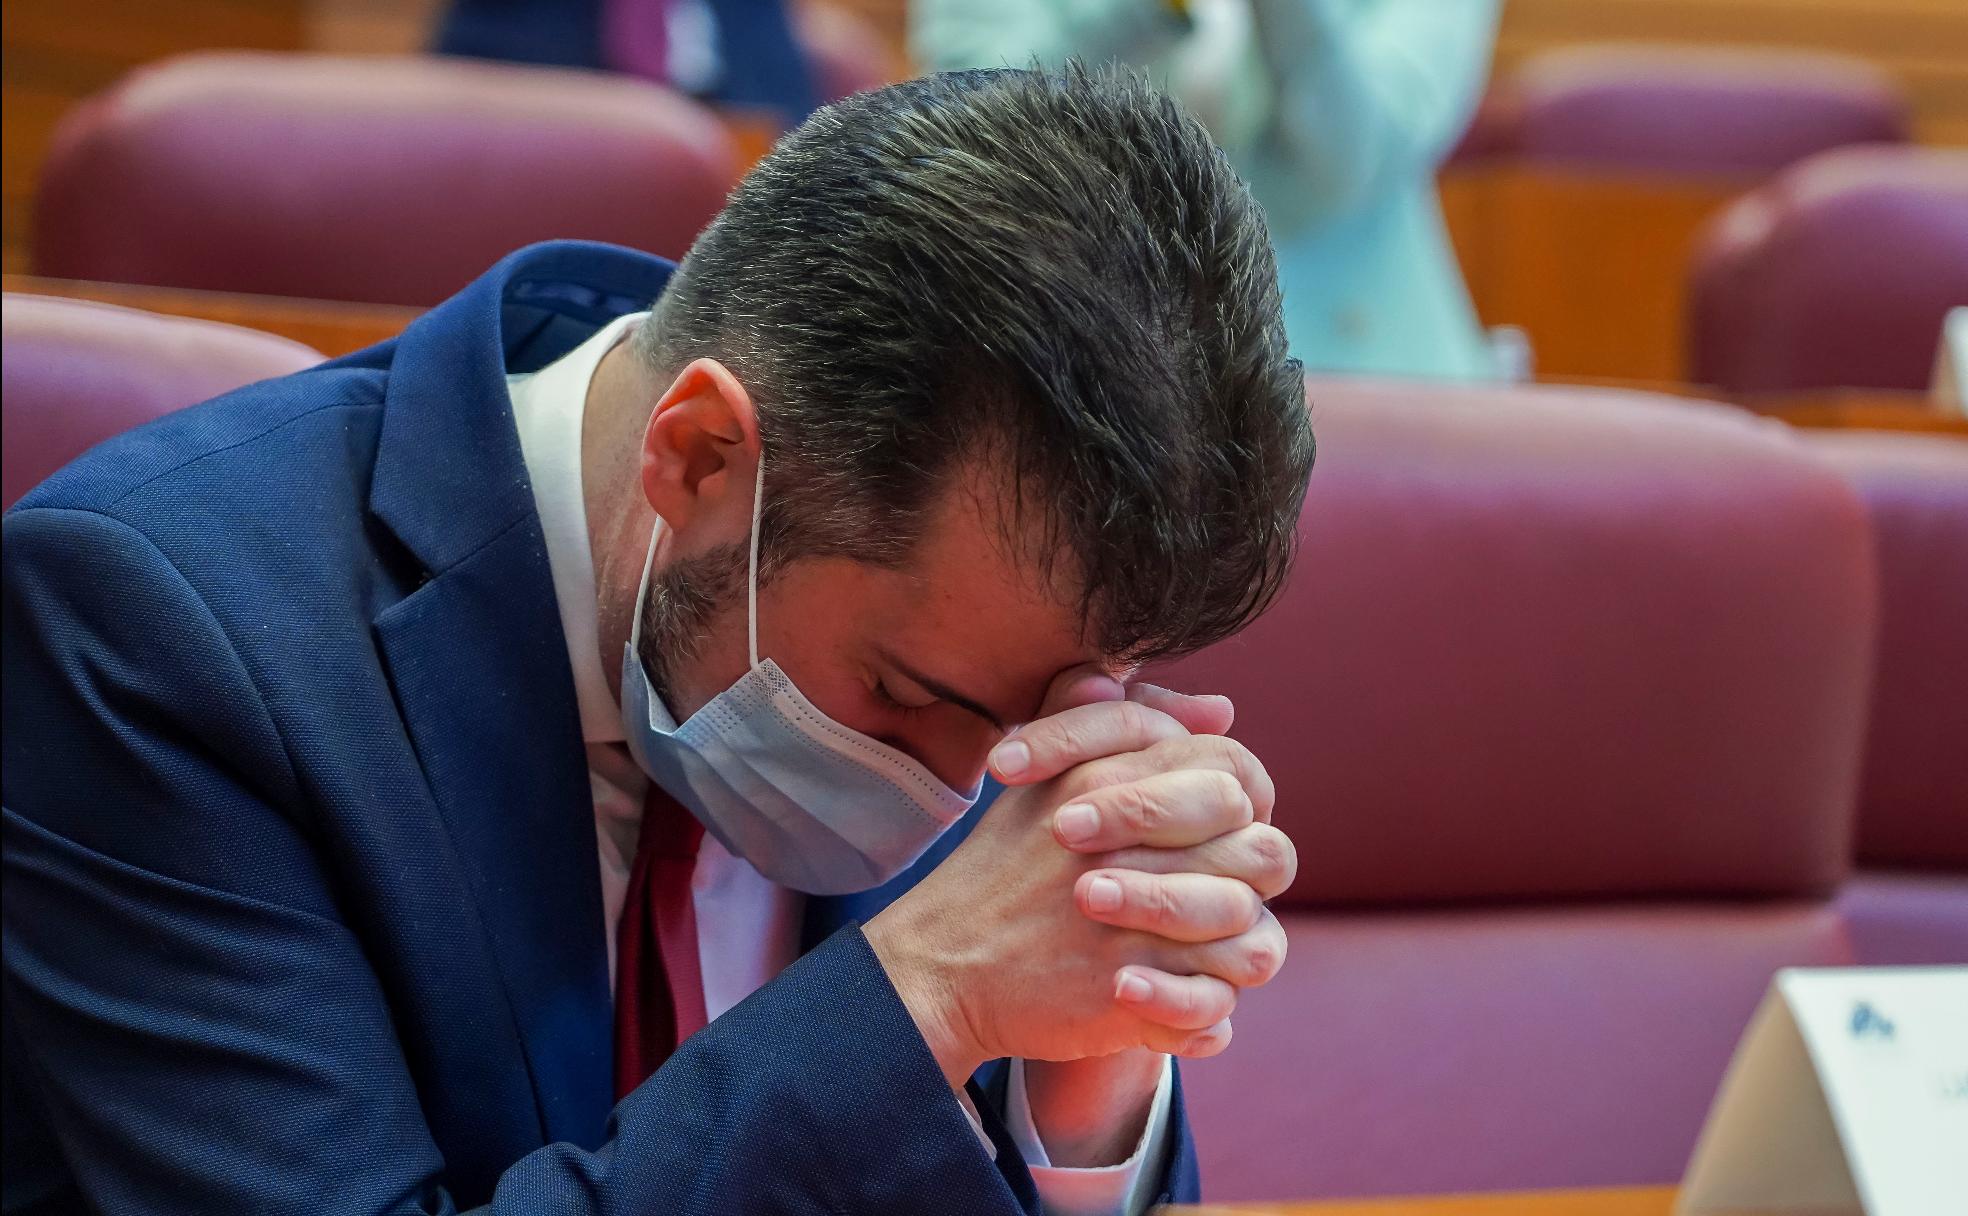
(1361,91)
(1114,1190)
(948,34)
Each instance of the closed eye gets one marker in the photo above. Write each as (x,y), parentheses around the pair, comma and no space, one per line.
(889,701)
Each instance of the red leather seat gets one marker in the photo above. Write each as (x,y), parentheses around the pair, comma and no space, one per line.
(1565,704)
(1909,903)
(76,373)
(1694,110)
(1838,272)
(386,180)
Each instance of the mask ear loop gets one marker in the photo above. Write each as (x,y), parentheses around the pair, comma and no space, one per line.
(752,576)
(642,588)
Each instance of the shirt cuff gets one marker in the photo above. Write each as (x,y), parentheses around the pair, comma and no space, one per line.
(976,1123)
(1110,1190)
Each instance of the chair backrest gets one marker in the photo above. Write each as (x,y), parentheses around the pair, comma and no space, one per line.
(1545,644)
(1692,110)
(1839,272)
(385,179)
(1913,797)
(1557,677)
(76,373)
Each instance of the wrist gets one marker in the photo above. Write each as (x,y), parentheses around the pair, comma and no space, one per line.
(1091,1113)
(928,994)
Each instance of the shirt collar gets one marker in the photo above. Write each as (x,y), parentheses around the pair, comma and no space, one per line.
(548,407)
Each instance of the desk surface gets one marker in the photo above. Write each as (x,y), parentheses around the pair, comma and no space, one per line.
(329,326)
(1636,1201)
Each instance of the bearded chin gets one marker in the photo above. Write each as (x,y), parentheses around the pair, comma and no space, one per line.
(684,597)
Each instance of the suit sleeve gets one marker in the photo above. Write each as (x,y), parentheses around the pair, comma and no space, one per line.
(201,1031)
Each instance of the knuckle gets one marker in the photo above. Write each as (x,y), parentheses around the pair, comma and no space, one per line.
(1081,779)
(1227,793)
(1136,720)
(1162,905)
(1261,961)
(1274,856)
(1184,1003)
(1071,737)
(1208,1042)
(1249,908)
(1130,806)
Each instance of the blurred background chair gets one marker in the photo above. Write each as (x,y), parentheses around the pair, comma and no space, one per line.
(1909,901)
(1577,195)
(78,372)
(385,180)
(1566,702)
(1724,111)
(1838,272)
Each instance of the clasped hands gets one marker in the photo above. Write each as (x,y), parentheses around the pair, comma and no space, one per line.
(1111,898)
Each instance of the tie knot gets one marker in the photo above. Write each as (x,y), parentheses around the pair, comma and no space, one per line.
(669,830)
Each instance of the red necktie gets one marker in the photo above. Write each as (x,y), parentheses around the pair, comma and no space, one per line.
(659,981)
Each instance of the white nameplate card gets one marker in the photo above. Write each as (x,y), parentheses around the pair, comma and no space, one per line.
(1848,1095)
(1951,363)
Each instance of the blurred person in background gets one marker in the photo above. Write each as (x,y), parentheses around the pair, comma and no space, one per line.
(1337,112)
(741,53)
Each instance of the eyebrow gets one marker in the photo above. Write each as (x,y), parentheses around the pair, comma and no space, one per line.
(940,690)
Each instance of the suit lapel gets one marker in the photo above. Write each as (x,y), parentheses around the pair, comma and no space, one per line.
(478,660)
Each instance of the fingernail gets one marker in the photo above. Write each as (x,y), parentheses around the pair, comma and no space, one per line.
(1077,824)
(1103,894)
(1132,988)
(1011,758)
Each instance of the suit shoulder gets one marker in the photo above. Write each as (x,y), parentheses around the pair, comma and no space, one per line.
(245,435)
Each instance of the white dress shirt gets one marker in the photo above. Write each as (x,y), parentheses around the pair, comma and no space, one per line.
(747,927)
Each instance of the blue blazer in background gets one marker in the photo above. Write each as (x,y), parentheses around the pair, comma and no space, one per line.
(760,57)
(301,905)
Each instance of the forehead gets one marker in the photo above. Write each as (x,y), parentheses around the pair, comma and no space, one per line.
(969,607)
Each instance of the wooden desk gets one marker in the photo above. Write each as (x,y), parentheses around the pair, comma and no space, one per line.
(1637,1201)
(1593,264)
(1865,409)
(329,326)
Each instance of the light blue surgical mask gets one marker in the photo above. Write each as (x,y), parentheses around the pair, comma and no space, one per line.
(811,804)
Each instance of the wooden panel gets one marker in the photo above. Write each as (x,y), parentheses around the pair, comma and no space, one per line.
(57,52)
(329,326)
(137,31)
(1636,1201)
(1592,265)
(1873,28)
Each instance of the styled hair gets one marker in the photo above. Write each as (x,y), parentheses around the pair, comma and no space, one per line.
(1058,272)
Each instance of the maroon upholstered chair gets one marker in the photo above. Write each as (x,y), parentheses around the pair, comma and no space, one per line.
(1909,903)
(1693,110)
(76,373)
(386,180)
(1564,704)
(1838,272)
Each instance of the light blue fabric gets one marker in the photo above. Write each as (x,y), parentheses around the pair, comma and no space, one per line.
(1336,111)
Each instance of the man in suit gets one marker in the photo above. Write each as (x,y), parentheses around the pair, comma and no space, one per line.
(420,769)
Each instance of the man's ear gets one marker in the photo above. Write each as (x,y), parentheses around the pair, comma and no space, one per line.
(700,450)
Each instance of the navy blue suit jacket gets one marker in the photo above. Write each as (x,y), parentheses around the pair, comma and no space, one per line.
(301,904)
